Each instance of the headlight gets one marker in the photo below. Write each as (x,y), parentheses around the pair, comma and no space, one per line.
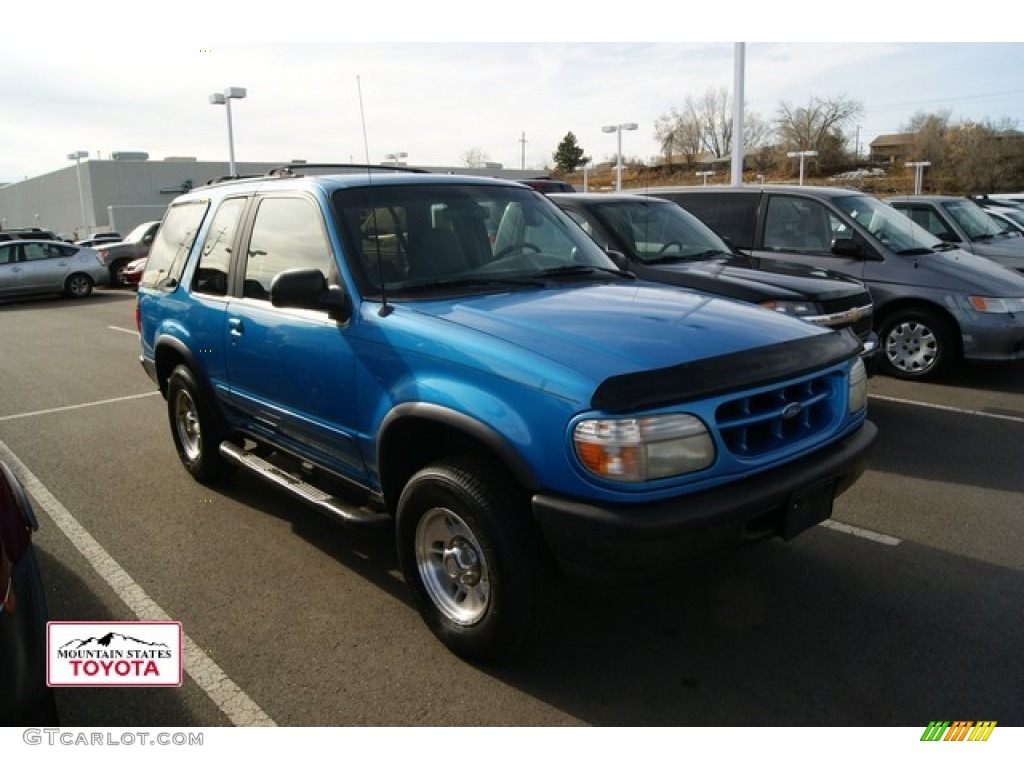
(996,306)
(636,450)
(858,391)
(795,308)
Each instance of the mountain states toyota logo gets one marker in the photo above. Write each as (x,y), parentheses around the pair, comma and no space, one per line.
(128,653)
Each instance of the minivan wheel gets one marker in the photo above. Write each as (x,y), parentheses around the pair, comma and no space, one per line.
(917,344)
(474,560)
(195,429)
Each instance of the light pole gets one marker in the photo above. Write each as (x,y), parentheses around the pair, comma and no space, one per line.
(395,157)
(802,154)
(618,153)
(225,99)
(918,167)
(77,157)
(705,174)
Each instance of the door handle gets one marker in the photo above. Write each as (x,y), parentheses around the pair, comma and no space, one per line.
(235,326)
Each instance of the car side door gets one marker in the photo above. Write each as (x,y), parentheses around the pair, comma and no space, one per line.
(8,266)
(42,267)
(290,371)
(806,231)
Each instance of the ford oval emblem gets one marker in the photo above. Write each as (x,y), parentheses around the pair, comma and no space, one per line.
(792,410)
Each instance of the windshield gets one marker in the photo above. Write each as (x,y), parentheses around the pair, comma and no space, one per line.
(410,237)
(892,228)
(136,235)
(655,232)
(975,223)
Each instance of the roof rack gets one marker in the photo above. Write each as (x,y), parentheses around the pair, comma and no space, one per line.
(300,169)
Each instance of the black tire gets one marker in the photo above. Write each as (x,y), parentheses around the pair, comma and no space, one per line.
(917,344)
(196,429)
(116,278)
(78,285)
(474,559)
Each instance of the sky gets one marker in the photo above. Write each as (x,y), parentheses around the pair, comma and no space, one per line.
(114,80)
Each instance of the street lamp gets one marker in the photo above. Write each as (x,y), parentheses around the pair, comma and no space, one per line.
(802,154)
(225,99)
(918,167)
(705,174)
(618,154)
(77,157)
(395,157)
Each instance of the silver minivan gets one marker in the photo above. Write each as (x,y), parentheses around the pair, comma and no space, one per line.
(935,304)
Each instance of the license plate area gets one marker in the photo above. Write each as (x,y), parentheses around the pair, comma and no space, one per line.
(807,508)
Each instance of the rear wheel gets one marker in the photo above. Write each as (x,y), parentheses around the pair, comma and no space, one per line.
(474,560)
(78,286)
(195,428)
(917,344)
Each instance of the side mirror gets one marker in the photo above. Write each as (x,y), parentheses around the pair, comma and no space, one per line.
(620,260)
(846,247)
(308,289)
(948,237)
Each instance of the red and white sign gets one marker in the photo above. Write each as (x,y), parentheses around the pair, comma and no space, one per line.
(119,653)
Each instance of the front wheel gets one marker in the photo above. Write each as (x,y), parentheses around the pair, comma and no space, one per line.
(917,344)
(474,560)
(195,428)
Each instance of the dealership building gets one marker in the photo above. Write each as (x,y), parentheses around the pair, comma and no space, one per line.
(128,189)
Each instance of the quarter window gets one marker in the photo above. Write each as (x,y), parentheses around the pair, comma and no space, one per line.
(174,241)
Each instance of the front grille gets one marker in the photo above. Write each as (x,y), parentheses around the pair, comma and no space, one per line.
(776,419)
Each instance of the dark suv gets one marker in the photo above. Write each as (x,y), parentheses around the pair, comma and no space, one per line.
(453,356)
(658,240)
(935,304)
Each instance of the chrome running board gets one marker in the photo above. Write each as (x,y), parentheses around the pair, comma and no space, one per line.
(302,490)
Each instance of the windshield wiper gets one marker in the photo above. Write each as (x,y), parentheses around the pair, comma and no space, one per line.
(701,256)
(572,270)
(922,251)
(470,282)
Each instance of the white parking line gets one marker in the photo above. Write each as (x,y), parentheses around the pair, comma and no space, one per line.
(14,416)
(229,698)
(964,411)
(852,530)
(132,331)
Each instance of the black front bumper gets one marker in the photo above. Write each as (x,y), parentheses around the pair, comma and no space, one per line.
(629,540)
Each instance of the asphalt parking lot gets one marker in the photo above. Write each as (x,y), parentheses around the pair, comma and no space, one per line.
(907,607)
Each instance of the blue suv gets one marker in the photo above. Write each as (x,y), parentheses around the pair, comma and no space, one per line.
(453,356)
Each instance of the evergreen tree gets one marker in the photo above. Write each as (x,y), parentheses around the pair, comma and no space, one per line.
(569,155)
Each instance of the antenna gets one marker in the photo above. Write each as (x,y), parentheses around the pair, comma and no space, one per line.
(385,308)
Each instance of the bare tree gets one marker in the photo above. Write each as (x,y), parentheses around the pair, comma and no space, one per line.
(474,158)
(678,135)
(819,126)
(706,125)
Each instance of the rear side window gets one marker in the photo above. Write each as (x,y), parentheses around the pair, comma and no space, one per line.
(215,258)
(796,225)
(730,214)
(174,241)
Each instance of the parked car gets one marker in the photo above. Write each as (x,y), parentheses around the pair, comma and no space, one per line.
(46,266)
(1008,220)
(25,699)
(132,274)
(658,240)
(963,223)
(935,304)
(100,238)
(513,408)
(548,186)
(117,256)
(27,233)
